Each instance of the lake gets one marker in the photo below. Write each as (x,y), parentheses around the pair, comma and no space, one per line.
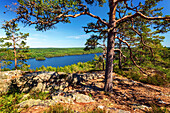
(58,61)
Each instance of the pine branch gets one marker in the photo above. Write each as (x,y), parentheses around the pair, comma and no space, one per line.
(142,16)
(136,31)
(131,54)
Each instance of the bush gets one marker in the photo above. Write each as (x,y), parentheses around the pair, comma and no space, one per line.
(8,103)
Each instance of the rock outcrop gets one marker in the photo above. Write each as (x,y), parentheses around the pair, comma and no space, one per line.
(43,81)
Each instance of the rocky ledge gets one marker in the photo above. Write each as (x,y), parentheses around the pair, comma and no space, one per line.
(42,81)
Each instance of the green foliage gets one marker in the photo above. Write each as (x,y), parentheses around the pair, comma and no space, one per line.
(156,109)
(157,66)
(41,58)
(98,62)
(8,103)
(3,55)
(155,80)
(25,67)
(79,67)
(6,63)
(40,95)
(42,68)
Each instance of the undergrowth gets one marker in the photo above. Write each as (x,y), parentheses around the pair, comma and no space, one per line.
(156,109)
(8,103)
(159,78)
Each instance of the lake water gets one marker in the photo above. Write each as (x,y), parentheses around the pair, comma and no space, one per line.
(59,61)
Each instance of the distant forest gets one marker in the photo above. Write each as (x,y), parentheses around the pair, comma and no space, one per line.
(42,53)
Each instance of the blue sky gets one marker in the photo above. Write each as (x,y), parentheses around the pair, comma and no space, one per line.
(66,35)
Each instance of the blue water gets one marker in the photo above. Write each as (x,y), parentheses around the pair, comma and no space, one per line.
(58,61)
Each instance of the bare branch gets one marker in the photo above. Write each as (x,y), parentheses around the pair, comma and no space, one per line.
(90,14)
(143,16)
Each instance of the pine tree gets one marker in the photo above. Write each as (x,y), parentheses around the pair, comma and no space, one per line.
(15,40)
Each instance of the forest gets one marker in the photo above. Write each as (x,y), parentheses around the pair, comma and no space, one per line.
(41,53)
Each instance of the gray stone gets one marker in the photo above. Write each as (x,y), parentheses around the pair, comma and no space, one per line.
(64,97)
(40,87)
(81,98)
(100,107)
(38,102)
(163,102)
(123,111)
(137,106)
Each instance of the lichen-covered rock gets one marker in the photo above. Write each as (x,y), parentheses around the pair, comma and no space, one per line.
(81,98)
(63,97)
(38,102)
(9,74)
(40,87)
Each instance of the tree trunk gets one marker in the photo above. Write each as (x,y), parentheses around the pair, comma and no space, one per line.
(120,56)
(0,67)
(103,58)
(110,47)
(15,52)
(103,63)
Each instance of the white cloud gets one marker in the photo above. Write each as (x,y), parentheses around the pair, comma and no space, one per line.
(31,39)
(79,36)
(39,35)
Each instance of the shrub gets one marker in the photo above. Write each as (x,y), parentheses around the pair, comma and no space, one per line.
(8,103)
